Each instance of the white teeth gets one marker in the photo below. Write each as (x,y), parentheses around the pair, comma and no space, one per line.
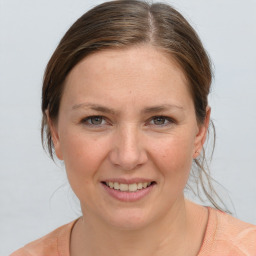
(140,186)
(116,185)
(125,187)
(133,187)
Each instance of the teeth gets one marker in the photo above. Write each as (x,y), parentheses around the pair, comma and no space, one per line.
(125,187)
(116,185)
(133,187)
(140,186)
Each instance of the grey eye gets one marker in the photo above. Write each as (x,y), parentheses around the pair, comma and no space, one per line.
(159,120)
(96,120)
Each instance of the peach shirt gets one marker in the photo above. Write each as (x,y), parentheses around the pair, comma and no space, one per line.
(224,236)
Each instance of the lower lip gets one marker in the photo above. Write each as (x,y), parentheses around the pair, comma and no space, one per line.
(126,196)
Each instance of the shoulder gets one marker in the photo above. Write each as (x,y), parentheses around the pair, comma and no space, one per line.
(226,235)
(52,244)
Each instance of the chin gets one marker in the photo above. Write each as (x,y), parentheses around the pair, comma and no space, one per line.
(128,219)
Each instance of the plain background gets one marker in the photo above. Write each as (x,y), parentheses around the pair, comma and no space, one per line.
(34,195)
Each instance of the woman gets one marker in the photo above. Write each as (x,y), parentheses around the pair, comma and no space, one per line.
(125,107)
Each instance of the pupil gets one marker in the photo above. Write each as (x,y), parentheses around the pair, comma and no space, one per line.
(96,120)
(159,120)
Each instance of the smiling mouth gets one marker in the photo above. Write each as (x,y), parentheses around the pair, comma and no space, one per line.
(128,187)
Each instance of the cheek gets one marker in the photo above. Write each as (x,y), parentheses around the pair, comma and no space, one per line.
(82,156)
(173,156)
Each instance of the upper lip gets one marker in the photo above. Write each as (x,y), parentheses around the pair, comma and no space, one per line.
(128,181)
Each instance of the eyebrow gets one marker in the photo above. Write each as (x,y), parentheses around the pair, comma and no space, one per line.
(160,108)
(147,110)
(95,107)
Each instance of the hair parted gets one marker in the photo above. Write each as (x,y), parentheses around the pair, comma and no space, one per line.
(121,24)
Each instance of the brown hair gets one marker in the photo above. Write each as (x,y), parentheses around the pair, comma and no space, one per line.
(125,23)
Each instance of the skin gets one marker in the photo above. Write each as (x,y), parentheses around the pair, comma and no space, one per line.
(129,143)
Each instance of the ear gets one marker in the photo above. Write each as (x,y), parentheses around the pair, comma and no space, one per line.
(202,133)
(54,135)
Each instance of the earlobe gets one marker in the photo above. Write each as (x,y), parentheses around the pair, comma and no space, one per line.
(202,133)
(54,136)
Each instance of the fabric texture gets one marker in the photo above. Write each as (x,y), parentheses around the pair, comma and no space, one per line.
(224,236)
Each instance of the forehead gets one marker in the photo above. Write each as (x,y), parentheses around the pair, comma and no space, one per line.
(135,58)
(141,72)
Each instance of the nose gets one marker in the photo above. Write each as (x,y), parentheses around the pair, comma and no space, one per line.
(127,151)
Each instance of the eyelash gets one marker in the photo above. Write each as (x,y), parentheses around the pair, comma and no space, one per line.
(86,120)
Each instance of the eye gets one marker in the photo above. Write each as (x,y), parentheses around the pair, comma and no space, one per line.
(161,121)
(94,120)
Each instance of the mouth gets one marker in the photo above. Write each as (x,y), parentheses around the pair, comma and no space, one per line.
(124,187)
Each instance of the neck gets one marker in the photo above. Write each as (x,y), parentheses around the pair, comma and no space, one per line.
(170,233)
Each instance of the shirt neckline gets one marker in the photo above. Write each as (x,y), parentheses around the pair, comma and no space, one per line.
(210,232)
(64,238)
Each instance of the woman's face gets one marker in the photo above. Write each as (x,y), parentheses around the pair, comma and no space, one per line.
(127,120)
